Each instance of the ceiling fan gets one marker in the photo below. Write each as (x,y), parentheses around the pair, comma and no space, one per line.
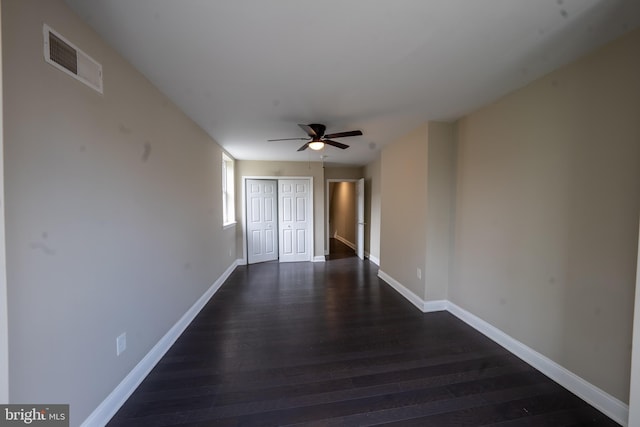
(317,139)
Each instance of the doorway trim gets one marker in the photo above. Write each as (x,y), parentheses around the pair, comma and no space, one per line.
(245,257)
(634,392)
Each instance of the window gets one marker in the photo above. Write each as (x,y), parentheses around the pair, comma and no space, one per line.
(228,197)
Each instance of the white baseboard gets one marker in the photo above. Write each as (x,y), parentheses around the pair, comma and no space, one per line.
(241,261)
(604,402)
(424,306)
(345,241)
(435,305)
(108,408)
(372,258)
(319,258)
(408,294)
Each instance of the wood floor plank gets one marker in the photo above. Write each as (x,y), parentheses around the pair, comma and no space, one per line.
(330,344)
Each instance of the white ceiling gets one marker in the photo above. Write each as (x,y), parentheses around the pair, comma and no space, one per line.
(250,70)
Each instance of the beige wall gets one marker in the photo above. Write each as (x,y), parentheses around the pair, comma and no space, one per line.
(417,176)
(439,221)
(548,195)
(255,168)
(342,210)
(403,225)
(372,203)
(343,172)
(113,214)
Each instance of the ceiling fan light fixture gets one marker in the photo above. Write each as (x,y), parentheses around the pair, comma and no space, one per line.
(317,140)
(316,145)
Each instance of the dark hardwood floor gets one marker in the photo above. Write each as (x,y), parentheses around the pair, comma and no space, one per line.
(329,344)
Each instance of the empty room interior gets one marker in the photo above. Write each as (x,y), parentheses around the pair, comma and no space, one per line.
(321,212)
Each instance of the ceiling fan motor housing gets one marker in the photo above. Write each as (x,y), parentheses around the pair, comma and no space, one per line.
(318,129)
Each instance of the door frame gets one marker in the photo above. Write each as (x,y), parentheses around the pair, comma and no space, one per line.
(360,224)
(326,209)
(245,257)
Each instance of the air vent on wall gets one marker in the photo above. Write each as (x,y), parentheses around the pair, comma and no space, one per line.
(63,55)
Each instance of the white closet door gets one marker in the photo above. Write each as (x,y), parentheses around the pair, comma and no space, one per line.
(295,220)
(262,220)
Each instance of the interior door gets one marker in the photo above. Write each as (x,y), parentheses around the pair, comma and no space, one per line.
(262,220)
(295,220)
(360,219)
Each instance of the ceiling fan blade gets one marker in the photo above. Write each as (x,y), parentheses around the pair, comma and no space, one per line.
(304,147)
(288,139)
(344,134)
(335,143)
(308,130)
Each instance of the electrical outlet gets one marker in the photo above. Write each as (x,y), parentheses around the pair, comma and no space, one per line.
(121,343)
(229,251)
(419,274)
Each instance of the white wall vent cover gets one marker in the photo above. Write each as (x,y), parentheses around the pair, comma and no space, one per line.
(63,55)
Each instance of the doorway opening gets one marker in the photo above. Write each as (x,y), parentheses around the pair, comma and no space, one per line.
(345,212)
